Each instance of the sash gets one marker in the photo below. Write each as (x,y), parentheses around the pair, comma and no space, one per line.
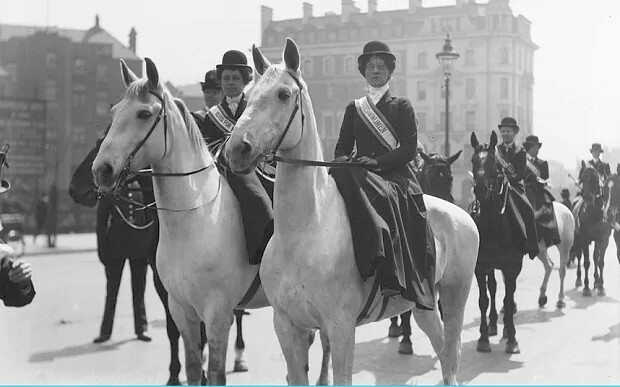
(530,165)
(221,119)
(379,126)
(502,161)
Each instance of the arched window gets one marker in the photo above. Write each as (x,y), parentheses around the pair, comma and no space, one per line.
(349,65)
(328,65)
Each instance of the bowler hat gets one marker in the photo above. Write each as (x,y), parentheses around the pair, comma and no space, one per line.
(211,81)
(509,122)
(532,140)
(376,47)
(233,59)
(597,147)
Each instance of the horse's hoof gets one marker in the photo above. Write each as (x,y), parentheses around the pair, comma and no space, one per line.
(578,283)
(505,333)
(405,348)
(322,382)
(240,366)
(501,310)
(513,348)
(587,292)
(492,330)
(560,304)
(601,291)
(483,346)
(173,381)
(542,301)
(395,331)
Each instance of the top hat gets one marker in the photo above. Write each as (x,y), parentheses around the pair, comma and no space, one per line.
(211,81)
(532,140)
(597,147)
(509,122)
(565,192)
(233,59)
(376,47)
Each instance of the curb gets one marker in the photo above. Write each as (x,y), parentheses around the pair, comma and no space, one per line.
(53,251)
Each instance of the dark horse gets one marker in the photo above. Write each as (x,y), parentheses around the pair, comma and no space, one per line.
(499,248)
(592,211)
(614,208)
(435,177)
(84,191)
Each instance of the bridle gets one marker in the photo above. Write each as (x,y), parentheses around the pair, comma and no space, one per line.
(501,186)
(127,173)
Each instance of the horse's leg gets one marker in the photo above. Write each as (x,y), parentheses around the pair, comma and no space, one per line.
(578,255)
(483,304)
(617,239)
(510,276)
(342,339)
(586,266)
(492,285)
(548,265)
(455,300)
(217,325)
(294,344)
(405,347)
(395,330)
(171,330)
(324,375)
(240,363)
(601,264)
(430,323)
(564,250)
(190,331)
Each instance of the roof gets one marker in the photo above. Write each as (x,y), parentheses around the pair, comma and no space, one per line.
(94,35)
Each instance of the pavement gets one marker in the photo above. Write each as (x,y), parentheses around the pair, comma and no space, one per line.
(65,244)
(50,340)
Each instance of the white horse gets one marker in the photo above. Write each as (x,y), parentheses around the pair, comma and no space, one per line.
(309,271)
(201,256)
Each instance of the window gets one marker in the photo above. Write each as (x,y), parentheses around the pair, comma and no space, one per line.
(422,60)
(470,88)
(421,118)
(51,60)
(328,65)
(50,90)
(469,58)
(503,88)
(80,65)
(329,92)
(102,108)
(349,65)
(306,67)
(421,91)
(504,56)
(79,99)
(470,121)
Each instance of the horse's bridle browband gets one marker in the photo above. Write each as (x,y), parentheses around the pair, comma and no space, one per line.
(504,188)
(271,155)
(127,173)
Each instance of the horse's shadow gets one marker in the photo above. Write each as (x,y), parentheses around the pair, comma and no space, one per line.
(76,350)
(614,333)
(387,365)
(159,323)
(474,363)
(582,302)
(530,316)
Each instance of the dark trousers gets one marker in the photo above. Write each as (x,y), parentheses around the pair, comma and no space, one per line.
(114,273)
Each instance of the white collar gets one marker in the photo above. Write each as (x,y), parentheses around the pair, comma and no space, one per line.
(236,99)
(376,93)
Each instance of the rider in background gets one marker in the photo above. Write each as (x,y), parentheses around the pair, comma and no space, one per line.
(212,94)
(518,205)
(566,198)
(603,168)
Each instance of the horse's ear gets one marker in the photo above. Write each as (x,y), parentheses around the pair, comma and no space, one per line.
(454,157)
(474,140)
(493,140)
(291,55)
(151,73)
(260,62)
(128,76)
(424,156)
(583,165)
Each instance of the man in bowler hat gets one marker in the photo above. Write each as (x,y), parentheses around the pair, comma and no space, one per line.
(212,94)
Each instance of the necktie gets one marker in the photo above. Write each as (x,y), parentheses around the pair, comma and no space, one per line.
(233,103)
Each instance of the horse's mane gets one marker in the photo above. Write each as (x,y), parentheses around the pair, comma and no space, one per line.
(141,88)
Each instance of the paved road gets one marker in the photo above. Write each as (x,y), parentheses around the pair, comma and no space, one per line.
(50,340)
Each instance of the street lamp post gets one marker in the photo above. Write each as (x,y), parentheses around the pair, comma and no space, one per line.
(446,59)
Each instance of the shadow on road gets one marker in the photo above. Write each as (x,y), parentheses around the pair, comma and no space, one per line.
(474,363)
(582,302)
(76,350)
(530,316)
(614,333)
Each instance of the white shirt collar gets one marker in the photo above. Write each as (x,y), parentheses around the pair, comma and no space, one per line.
(376,93)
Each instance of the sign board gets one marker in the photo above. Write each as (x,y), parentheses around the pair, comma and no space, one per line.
(22,125)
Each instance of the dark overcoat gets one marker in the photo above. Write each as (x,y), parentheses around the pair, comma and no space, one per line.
(542,200)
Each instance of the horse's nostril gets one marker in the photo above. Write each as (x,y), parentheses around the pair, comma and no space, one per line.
(246,147)
(107,171)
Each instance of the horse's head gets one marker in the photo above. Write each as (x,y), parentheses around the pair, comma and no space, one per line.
(273,117)
(438,174)
(484,167)
(614,196)
(141,126)
(592,187)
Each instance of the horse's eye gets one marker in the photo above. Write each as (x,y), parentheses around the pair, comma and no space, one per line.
(144,114)
(284,96)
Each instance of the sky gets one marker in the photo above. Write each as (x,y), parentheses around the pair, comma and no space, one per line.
(576,90)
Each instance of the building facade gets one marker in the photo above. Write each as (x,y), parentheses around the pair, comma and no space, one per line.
(76,73)
(493,77)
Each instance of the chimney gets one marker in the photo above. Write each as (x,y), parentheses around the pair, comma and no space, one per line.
(372,7)
(414,5)
(266,16)
(97,21)
(307,12)
(132,39)
(348,8)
